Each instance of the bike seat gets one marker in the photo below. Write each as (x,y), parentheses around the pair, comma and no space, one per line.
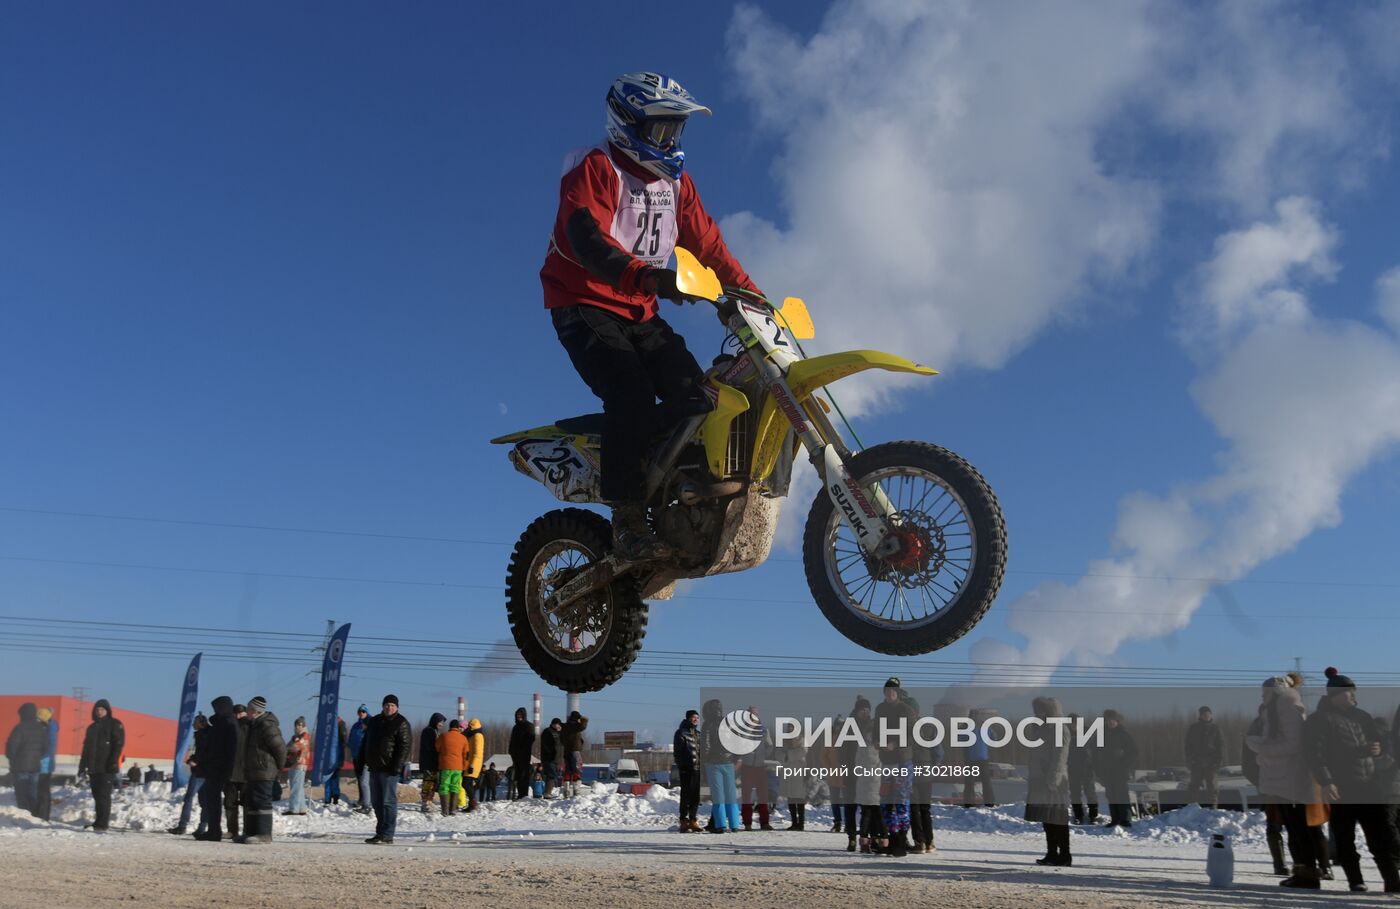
(591,424)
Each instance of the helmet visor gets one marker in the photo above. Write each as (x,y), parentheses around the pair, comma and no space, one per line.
(663,133)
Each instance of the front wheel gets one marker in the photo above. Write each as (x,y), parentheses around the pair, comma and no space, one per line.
(950,563)
(588,644)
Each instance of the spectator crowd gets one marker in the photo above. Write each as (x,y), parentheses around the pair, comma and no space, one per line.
(1320,774)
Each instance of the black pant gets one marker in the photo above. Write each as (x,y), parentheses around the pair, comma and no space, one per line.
(1120,810)
(233,798)
(1380,839)
(1294,819)
(920,814)
(1081,792)
(629,365)
(1203,788)
(849,814)
(44,806)
(211,807)
(102,799)
(520,774)
(690,794)
(257,808)
(984,776)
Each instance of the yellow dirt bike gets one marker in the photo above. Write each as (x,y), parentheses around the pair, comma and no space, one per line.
(904,548)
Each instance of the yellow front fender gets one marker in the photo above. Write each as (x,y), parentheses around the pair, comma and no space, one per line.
(806,376)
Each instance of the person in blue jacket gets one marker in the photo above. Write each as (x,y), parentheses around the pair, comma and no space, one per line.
(353,744)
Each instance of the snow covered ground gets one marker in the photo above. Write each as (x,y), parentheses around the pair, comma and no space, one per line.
(607,849)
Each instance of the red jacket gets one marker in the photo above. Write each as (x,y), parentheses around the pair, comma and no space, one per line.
(587,265)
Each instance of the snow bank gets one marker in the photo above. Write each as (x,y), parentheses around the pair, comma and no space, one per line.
(599,807)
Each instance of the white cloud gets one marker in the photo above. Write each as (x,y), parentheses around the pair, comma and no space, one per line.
(1250,280)
(1303,405)
(956,177)
(1388,298)
(939,174)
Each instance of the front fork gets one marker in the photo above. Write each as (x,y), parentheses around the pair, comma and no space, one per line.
(867,510)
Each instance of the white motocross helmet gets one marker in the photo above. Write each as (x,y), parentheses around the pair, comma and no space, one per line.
(646,116)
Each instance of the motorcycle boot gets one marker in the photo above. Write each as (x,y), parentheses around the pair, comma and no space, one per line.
(633,538)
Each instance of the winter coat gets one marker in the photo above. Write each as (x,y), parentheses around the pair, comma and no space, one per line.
(239,754)
(794,781)
(1280,749)
(761,755)
(217,755)
(551,748)
(686,746)
(355,743)
(1081,757)
(51,730)
(865,765)
(1338,740)
(452,750)
(427,745)
(571,737)
(264,750)
(712,750)
(476,750)
(1047,772)
(522,741)
(1117,758)
(387,743)
(28,741)
(299,751)
(197,756)
(893,716)
(1249,761)
(1205,746)
(104,743)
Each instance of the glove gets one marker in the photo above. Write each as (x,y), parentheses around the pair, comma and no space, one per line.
(662,282)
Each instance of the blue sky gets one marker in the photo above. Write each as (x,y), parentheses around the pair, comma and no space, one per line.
(278,267)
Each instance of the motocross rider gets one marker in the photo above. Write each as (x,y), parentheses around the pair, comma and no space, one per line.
(624,205)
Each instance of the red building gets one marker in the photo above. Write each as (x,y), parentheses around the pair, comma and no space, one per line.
(149,739)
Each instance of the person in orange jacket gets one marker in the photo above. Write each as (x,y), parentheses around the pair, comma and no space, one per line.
(452,748)
(476,753)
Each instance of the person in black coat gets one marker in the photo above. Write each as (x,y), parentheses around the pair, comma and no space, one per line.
(428,759)
(552,755)
(386,745)
(1343,746)
(25,750)
(101,760)
(521,750)
(686,746)
(216,755)
(1114,765)
(264,754)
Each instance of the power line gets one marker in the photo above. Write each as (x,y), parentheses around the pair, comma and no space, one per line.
(455,657)
(1383,585)
(263,527)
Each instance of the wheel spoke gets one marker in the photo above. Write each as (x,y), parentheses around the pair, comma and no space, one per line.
(912,589)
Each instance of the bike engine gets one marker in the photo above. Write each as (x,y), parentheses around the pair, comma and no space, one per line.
(693,530)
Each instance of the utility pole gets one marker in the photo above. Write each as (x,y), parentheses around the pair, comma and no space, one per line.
(1298,666)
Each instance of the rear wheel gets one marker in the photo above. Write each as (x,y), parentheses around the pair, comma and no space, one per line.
(591,642)
(949,566)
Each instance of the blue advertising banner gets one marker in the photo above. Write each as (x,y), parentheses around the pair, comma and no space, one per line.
(327,756)
(184,731)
